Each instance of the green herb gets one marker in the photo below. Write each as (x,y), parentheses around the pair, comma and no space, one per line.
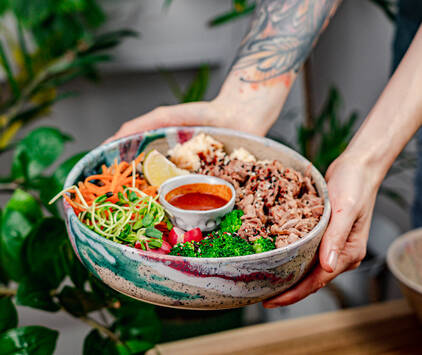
(231,222)
(100,199)
(147,220)
(263,244)
(153,232)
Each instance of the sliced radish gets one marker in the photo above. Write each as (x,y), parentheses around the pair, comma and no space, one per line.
(193,235)
(176,236)
(165,248)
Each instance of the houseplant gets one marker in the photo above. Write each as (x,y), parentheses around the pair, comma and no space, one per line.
(43,45)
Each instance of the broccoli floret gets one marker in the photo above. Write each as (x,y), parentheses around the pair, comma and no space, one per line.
(263,244)
(231,222)
(185,249)
(223,244)
(216,245)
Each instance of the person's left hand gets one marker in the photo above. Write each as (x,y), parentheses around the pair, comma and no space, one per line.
(352,189)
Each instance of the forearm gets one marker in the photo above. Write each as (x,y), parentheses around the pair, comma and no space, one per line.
(281,36)
(394,119)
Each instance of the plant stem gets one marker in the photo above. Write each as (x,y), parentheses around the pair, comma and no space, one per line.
(94,324)
(7,292)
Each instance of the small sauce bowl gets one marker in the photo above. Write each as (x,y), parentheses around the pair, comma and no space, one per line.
(207,220)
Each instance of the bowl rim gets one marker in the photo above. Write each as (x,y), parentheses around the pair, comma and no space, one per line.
(220,181)
(393,252)
(322,224)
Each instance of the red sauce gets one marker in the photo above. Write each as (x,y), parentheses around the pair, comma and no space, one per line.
(199,197)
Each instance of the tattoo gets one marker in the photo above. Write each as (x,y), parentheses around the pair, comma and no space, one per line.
(281,36)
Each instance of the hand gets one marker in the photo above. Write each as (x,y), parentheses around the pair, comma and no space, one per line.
(352,189)
(216,113)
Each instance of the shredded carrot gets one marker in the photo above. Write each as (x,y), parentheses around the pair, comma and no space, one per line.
(111,180)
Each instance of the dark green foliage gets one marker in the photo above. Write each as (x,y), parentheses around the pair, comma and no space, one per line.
(20,216)
(34,340)
(36,252)
(41,148)
(231,222)
(240,8)
(262,245)
(36,295)
(196,89)
(8,314)
(330,134)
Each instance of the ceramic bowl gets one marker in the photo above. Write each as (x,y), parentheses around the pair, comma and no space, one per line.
(188,219)
(193,283)
(404,259)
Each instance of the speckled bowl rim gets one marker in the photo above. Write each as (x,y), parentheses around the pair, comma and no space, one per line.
(395,249)
(168,205)
(78,168)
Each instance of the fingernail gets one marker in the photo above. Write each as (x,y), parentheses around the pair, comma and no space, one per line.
(332,259)
(270,305)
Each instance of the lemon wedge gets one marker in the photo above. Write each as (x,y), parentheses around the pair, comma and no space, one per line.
(157,168)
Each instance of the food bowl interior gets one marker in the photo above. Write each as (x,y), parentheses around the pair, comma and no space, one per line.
(127,148)
(164,139)
(404,259)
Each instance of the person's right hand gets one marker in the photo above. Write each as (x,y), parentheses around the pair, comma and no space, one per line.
(214,113)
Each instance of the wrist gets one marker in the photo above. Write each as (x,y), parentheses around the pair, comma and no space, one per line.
(368,161)
(236,114)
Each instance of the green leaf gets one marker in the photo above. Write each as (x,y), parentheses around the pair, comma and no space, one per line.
(8,314)
(109,40)
(153,232)
(3,275)
(136,320)
(198,87)
(147,220)
(5,63)
(79,302)
(21,214)
(134,346)
(94,343)
(64,168)
(231,15)
(43,251)
(73,267)
(42,147)
(33,340)
(50,186)
(33,294)
(32,12)
(24,50)
(4,6)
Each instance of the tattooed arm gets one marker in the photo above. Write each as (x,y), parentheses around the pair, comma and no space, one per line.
(280,38)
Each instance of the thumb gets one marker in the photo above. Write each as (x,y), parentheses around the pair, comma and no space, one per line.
(335,237)
(164,116)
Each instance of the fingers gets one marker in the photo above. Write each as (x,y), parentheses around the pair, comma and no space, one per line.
(317,279)
(342,219)
(350,258)
(166,116)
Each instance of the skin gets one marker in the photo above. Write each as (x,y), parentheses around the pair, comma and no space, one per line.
(281,36)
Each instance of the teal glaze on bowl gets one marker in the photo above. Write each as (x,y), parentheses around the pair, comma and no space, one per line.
(193,283)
